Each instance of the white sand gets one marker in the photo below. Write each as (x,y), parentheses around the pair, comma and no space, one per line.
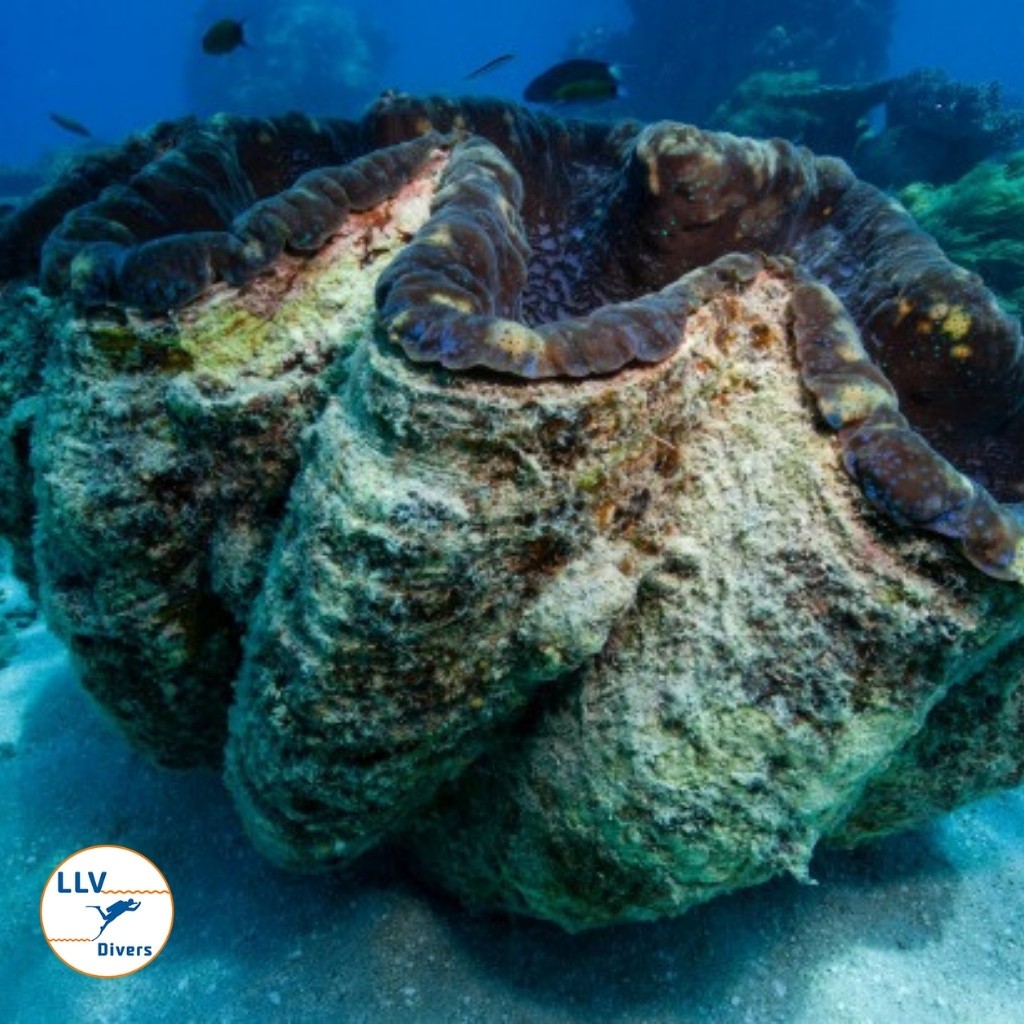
(927,927)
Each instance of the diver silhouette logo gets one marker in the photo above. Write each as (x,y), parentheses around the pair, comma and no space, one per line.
(141,912)
(114,911)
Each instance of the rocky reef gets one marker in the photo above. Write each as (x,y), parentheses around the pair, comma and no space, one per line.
(979,221)
(608,513)
(691,55)
(936,130)
(798,106)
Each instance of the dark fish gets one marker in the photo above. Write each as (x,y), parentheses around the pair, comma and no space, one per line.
(69,124)
(223,37)
(491,65)
(575,81)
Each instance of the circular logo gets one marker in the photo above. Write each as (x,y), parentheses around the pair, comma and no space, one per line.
(107,911)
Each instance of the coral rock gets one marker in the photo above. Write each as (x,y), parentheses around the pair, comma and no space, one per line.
(979,221)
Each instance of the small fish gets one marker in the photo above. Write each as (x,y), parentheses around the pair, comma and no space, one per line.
(575,81)
(69,124)
(491,65)
(223,37)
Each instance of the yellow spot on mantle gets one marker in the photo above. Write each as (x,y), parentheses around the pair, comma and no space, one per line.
(515,340)
(903,309)
(956,325)
(450,301)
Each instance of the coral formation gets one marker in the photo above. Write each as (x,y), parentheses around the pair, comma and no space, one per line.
(535,489)
(692,55)
(798,106)
(936,129)
(979,221)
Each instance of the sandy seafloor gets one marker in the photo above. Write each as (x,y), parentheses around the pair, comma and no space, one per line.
(925,927)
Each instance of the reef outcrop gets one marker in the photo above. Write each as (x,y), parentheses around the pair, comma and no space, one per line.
(689,56)
(798,106)
(979,221)
(936,130)
(584,506)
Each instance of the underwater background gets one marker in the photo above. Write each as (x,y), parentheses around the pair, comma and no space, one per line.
(118,69)
(922,927)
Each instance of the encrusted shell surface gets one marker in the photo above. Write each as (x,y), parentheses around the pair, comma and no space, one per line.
(595,649)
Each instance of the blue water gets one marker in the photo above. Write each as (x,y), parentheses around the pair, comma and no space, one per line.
(973,41)
(118,67)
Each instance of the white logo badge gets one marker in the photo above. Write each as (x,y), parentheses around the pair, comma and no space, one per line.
(107,911)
